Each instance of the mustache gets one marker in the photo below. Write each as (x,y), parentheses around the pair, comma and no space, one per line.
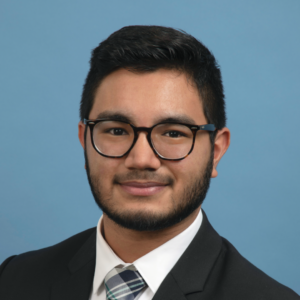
(146,175)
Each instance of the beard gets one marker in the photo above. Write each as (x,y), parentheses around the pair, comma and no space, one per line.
(190,199)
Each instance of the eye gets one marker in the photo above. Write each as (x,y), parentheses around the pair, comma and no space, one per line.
(117,131)
(174,134)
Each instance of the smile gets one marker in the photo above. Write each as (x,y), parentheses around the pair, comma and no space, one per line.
(142,188)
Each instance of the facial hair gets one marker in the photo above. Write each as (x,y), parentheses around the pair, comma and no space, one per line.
(190,199)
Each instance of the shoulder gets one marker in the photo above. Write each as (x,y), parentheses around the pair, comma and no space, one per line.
(54,259)
(247,281)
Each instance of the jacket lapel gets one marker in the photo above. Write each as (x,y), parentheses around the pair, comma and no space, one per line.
(78,285)
(169,290)
(193,268)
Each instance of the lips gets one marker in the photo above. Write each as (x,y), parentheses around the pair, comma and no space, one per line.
(142,188)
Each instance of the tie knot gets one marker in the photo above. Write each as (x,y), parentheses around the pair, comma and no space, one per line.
(123,283)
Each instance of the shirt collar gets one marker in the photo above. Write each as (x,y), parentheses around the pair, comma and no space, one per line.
(154,266)
(106,259)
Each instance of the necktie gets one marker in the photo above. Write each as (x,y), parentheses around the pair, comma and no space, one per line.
(123,284)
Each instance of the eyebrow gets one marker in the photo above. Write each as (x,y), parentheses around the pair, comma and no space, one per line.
(177,119)
(119,116)
(124,117)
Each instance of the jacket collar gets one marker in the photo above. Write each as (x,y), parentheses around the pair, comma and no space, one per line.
(85,254)
(192,269)
(78,285)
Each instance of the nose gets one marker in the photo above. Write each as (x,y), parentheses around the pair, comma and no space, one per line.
(141,155)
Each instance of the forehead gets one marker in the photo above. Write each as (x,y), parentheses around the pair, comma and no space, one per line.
(146,98)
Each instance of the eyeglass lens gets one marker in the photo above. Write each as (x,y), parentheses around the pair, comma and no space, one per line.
(113,138)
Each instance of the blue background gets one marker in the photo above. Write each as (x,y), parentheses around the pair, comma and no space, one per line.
(45,49)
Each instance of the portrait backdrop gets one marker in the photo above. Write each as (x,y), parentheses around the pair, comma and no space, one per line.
(45,51)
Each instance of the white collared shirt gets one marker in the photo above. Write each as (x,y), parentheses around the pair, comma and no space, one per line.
(153,267)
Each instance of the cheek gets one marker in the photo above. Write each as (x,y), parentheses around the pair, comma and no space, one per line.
(105,169)
(101,167)
(183,171)
(190,167)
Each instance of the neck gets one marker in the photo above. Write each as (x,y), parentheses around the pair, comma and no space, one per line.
(130,244)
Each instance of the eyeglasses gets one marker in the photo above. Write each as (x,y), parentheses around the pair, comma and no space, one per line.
(169,141)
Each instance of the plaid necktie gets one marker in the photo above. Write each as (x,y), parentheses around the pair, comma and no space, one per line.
(123,284)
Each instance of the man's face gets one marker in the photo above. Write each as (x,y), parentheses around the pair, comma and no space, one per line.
(141,191)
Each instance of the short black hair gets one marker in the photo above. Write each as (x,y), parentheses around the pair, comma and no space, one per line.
(149,48)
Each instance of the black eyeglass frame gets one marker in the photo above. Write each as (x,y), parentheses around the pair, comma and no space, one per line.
(194,128)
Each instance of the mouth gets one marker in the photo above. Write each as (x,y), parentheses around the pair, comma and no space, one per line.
(138,188)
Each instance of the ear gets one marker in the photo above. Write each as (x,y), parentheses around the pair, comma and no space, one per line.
(221,144)
(81,129)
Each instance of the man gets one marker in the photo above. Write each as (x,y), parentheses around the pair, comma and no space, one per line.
(153,132)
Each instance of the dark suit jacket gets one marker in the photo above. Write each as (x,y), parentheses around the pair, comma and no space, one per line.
(210,269)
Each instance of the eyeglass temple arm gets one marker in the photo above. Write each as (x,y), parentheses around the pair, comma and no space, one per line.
(208,127)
